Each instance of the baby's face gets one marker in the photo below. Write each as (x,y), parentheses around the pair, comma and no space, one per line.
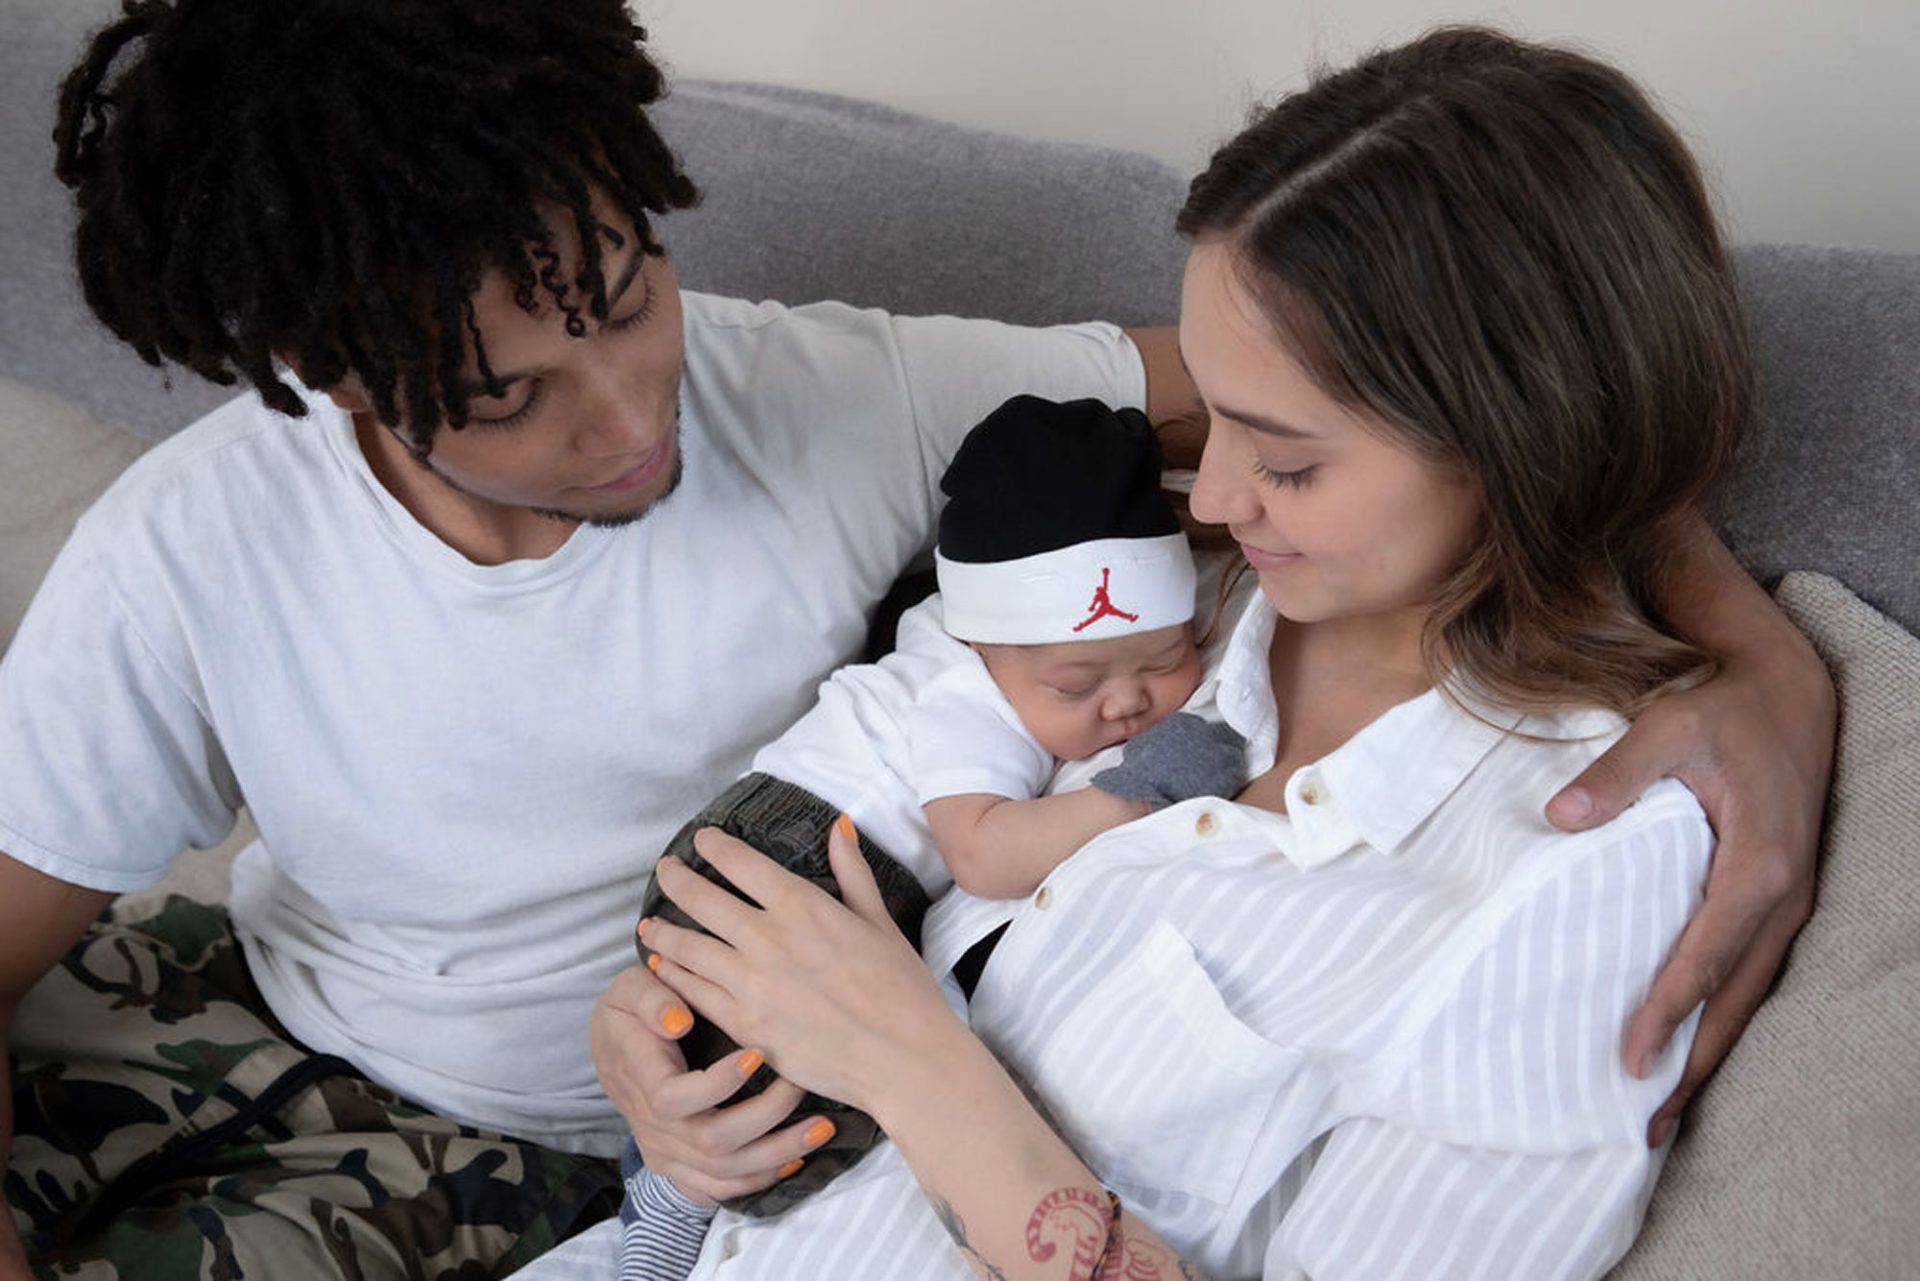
(1077,697)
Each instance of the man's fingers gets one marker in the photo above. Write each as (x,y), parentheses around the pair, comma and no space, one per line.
(1730,1008)
(1646,753)
(1720,937)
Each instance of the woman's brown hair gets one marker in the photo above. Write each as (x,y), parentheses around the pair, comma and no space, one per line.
(1504,252)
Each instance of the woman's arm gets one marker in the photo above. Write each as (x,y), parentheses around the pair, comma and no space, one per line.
(998,847)
(841,1004)
(1755,744)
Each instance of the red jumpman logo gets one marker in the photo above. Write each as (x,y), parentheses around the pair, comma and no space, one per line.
(1102,605)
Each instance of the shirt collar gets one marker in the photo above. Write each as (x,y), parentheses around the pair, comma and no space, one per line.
(1379,786)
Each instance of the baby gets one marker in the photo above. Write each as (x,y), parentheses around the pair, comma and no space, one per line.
(1063,628)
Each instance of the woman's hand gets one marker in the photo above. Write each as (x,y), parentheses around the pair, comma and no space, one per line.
(831,992)
(713,1152)
(1755,745)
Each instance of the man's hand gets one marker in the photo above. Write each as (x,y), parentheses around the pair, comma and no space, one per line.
(713,1153)
(1755,745)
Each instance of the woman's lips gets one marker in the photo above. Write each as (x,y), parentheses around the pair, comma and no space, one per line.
(1260,558)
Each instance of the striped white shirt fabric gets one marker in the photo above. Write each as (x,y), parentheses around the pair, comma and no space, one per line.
(1378,1036)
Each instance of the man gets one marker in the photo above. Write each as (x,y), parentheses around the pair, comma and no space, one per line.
(519,570)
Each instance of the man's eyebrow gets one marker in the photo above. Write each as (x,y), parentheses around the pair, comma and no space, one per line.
(618,290)
(476,387)
(1263,423)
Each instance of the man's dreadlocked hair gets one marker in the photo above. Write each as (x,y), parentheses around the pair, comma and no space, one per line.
(327,180)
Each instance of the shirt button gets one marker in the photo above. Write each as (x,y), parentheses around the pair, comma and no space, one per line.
(1312,793)
(1044,899)
(1206,824)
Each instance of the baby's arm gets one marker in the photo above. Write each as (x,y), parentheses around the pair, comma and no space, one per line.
(998,847)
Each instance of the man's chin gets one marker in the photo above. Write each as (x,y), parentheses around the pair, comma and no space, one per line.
(621,518)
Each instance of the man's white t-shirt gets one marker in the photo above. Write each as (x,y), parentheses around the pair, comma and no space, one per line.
(462,773)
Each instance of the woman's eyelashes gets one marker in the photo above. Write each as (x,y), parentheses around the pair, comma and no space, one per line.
(1280,479)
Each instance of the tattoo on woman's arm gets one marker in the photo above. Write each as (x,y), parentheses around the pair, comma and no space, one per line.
(957,1229)
(1084,1219)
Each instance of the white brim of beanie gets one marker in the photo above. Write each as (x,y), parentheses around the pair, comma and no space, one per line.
(1056,596)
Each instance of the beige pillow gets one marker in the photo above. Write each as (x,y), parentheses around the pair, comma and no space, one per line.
(1801,1159)
(54,461)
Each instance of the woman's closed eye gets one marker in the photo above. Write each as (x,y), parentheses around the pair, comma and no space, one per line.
(1282,479)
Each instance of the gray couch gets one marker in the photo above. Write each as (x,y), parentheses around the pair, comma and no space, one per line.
(1800,1161)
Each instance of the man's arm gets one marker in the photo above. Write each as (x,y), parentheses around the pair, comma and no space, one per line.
(40,917)
(1755,744)
(1173,403)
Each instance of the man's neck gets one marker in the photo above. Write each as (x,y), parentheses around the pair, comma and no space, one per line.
(485,532)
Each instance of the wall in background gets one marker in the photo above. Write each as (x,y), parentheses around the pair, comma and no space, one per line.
(1806,115)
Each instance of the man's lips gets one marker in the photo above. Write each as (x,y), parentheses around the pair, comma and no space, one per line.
(642,473)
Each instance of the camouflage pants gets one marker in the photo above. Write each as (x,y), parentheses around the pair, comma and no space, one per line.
(166,1128)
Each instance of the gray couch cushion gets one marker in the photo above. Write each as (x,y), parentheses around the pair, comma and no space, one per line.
(48,338)
(1831,481)
(1798,1160)
(57,460)
(812,196)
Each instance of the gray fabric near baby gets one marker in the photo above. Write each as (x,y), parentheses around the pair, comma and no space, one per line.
(788,824)
(1182,757)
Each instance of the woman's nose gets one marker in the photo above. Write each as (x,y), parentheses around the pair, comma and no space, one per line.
(1223,487)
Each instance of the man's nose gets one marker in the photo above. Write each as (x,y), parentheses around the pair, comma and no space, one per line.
(614,421)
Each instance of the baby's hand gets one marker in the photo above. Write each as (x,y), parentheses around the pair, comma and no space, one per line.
(1182,757)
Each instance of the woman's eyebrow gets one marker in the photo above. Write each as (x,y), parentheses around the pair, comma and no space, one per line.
(1263,423)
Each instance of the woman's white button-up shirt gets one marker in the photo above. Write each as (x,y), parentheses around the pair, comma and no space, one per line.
(1378,1036)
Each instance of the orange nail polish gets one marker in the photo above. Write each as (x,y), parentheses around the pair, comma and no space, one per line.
(845,824)
(653,962)
(641,929)
(819,1132)
(750,1063)
(676,1021)
(791,1168)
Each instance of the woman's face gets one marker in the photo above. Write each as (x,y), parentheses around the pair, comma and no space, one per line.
(1339,519)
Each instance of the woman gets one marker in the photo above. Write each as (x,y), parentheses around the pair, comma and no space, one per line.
(1471,351)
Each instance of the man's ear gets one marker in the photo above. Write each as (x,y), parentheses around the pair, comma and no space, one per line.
(350,394)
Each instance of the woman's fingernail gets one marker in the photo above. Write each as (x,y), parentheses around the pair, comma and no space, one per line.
(819,1132)
(641,929)
(750,1062)
(791,1168)
(845,824)
(676,1021)
(653,963)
